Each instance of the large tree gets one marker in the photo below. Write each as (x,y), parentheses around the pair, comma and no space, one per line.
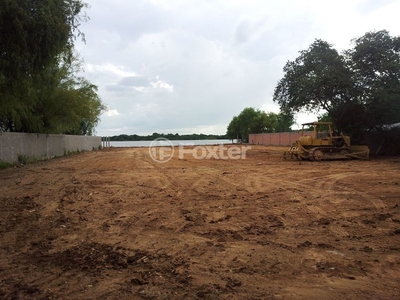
(252,120)
(375,63)
(38,90)
(359,89)
(317,80)
(284,122)
(68,103)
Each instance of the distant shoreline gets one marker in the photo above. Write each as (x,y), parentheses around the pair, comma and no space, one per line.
(120,144)
(169,136)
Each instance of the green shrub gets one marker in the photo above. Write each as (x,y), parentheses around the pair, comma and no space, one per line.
(25,160)
(5,165)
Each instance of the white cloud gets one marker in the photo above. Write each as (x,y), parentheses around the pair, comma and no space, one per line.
(163,85)
(109,68)
(183,66)
(111,113)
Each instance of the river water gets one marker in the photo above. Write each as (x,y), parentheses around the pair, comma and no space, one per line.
(162,142)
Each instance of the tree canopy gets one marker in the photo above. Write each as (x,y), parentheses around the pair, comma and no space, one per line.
(252,120)
(169,136)
(39,91)
(375,63)
(359,89)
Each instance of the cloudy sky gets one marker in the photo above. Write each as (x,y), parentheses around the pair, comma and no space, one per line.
(181,66)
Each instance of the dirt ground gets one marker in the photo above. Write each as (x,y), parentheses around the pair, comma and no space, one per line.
(114,224)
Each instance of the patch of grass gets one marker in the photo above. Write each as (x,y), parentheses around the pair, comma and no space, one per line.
(5,165)
(26,160)
(69,152)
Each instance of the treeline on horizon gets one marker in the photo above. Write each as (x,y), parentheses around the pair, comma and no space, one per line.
(169,136)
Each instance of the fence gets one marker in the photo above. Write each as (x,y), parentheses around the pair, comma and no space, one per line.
(380,143)
(42,146)
(276,139)
(105,142)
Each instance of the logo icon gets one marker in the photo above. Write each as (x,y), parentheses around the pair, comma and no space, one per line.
(161,150)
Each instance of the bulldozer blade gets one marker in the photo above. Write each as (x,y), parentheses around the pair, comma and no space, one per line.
(360,152)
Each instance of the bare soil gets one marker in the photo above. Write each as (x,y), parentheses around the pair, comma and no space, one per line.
(114,224)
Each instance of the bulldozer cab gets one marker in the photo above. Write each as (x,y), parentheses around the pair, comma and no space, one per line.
(323,135)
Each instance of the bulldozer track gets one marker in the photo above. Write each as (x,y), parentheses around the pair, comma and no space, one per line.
(329,153)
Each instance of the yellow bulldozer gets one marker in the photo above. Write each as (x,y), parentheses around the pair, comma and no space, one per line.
(324,144)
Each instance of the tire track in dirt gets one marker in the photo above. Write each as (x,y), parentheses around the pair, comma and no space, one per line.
(168,181)
(200,181)
(178,181)
(260,182)
(326,187)
(330,183)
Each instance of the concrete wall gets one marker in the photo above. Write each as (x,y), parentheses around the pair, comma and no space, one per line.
(276,139)
(41,146)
